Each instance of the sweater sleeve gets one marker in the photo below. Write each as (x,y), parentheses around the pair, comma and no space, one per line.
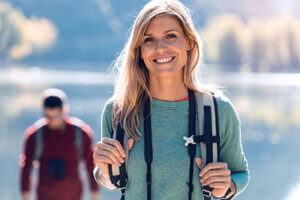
(26,159)
(106,119)
(231,150)
(106,129)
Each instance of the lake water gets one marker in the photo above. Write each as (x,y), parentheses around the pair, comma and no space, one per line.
(268,106)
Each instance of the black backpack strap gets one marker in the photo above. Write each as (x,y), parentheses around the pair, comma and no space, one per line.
(211,137)
(123,173)
(211,124)
(191,147)
(209,149)
(148,144)
(217,128)
(119,180)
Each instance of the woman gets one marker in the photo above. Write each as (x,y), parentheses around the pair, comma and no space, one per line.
(159,62)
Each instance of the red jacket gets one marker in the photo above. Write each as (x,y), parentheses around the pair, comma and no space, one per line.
(57,145)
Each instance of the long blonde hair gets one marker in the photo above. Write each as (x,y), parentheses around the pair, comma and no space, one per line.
(132,83)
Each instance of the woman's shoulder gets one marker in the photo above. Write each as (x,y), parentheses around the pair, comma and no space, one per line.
(225,107)
(108,108)
(109,104)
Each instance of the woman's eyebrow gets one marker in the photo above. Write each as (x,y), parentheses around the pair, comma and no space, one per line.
(170,30)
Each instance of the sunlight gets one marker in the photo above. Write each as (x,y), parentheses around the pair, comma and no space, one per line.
(294,194)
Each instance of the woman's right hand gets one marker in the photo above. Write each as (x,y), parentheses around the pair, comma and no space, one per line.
(109,151)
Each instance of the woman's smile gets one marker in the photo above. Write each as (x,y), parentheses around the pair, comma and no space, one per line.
(164,60)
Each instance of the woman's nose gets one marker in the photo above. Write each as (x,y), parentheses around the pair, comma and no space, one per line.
(160,45)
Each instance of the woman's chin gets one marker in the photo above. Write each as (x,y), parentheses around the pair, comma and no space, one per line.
(166,72)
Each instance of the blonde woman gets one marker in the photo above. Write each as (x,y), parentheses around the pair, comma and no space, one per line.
(158,65)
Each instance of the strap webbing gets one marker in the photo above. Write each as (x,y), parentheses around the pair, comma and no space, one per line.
(217,127)
(123,194)
(78,140)
(191,147)
(123,174)
(148,144)
(39,144)
(211,136)
(121,179)
(209,149)
(208,133)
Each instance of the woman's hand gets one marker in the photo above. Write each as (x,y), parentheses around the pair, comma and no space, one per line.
(216,176)
(109,151)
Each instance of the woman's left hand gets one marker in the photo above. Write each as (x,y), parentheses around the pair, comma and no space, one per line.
(216,176)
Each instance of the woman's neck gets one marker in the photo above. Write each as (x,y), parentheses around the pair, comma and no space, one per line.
(167,89)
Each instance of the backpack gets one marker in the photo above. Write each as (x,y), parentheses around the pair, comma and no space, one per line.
(39,144)
(208,139)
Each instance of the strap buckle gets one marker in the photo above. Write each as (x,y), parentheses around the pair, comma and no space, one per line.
(122,190)
(189,140)
(206,193)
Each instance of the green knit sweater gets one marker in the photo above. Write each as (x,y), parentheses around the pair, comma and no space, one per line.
(170,166)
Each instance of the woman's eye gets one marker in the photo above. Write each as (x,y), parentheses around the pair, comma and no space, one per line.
(171,36)
(148,40)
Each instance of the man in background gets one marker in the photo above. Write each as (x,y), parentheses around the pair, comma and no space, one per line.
(58,142)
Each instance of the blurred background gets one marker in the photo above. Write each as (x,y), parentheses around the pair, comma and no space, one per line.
(251,50)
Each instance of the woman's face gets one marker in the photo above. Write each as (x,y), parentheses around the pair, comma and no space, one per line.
(164,47)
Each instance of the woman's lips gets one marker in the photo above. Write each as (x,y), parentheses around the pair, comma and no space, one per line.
(164,60)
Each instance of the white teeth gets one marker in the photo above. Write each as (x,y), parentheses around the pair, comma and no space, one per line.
(164,60)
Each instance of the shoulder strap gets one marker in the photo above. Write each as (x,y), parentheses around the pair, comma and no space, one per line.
(39,138)
(78,135)
(191,147)
(209,133)
(211,128)
(148,144)
(39,144)
(78,141)
(118,175)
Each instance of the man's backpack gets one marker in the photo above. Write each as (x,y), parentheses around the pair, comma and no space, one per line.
(39,135)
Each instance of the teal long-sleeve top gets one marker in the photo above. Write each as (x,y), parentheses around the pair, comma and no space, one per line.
(170,166)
